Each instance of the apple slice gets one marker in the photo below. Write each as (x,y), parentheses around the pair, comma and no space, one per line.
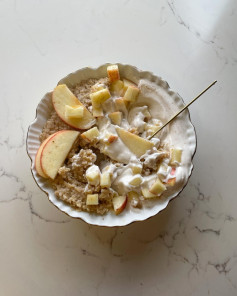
(116,117)
(61,97)
(37,158)
(92,199)
(113,73)
(56,150)
(119,203)
(136,144)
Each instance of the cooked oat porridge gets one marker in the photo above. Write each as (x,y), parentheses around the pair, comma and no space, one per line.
(96,149)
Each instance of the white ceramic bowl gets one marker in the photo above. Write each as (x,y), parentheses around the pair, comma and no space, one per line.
(127,216)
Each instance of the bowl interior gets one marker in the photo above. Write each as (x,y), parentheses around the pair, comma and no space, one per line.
(183,123)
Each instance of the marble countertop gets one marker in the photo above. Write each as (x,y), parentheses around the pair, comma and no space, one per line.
(188,249)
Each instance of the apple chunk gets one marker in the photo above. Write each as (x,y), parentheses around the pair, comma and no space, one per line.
(121,105)
(157,188)
(37,158)
(113,73)
(136,144)
(105,180)
(93,175)
(91,135)
(62,96)
(117,87)
(127,83)
(176,156)
(99,97)
(119,203)
(92,199)
(74,112)
(116,117)
(56,150)
(131,94)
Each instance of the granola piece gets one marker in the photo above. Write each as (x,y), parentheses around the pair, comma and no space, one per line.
(81,162)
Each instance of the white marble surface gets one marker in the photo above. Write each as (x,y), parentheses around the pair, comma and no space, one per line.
(188,249)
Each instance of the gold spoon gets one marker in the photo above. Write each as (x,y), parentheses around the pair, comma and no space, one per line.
(185,107)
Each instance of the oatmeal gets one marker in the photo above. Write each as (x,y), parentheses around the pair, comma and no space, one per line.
(96,150)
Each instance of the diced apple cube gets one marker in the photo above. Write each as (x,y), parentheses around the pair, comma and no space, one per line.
(136,169)
(91,134)
(162,171)
(92,199)
(117,87)
(99,97)
(131,94)
(105,180)
(176,155)
(158,187)
(121,105)
(97,111)
(113,73)
(93,175)
(132,194)
(96,87)
(171,181)
(136,180)
(127,83)
(74,112)
(116,117)
(134,199)
(151,129)
(146,193)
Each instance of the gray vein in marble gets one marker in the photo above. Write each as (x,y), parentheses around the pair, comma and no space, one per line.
(208,230)
(17,180)
(111,243)
(222,268)
(214,216)
(217,48)
(87,253)
(194,264)
(163,18)
(37,215)
(6,141)
(39,50)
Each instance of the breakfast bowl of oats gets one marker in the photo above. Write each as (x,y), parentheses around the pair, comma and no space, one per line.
(91,148)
